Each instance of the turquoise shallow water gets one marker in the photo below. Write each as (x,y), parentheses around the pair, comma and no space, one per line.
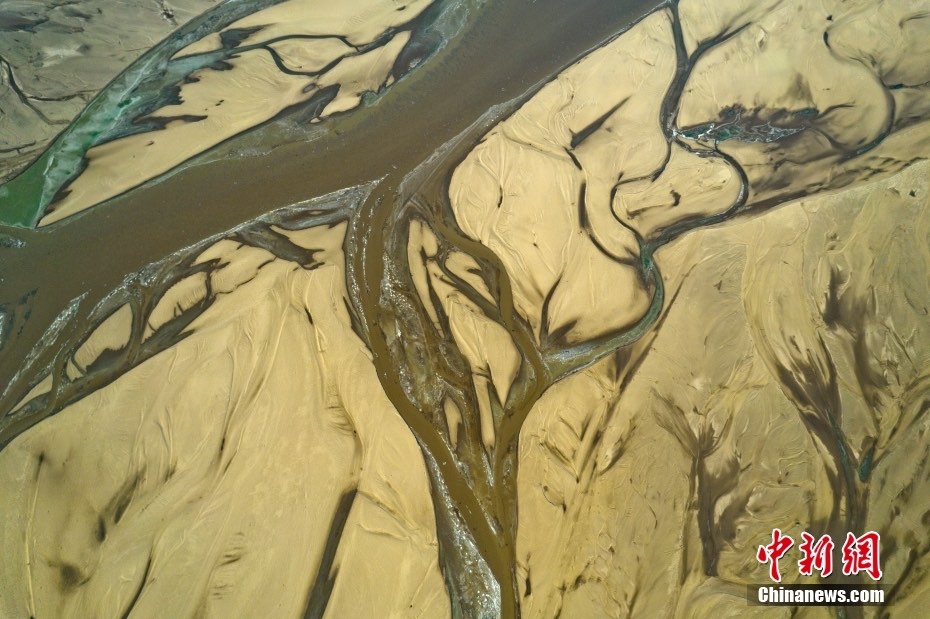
(719,324)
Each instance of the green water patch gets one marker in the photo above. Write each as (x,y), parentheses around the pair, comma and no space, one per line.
(757,125)
(146,85)
(126,106)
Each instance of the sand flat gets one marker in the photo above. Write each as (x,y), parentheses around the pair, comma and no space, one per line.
(580,361)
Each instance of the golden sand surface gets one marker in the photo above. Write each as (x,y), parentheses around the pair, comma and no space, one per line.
(359,22)
(752,405)
(322,46)
(674,299)
(268,429)
(660,487)
(55,56)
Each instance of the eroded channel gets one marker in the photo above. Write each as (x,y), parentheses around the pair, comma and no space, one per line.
(632,301)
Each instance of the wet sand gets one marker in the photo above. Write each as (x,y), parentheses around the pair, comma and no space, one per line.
(201,200)
(55,56)
(637,301)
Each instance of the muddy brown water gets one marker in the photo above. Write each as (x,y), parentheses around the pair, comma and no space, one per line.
(506,50)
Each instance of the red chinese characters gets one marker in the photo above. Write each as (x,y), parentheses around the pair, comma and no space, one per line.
(771,553)
(816,555)
(861,554)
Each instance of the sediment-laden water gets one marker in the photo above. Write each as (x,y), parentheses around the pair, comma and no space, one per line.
(473,309)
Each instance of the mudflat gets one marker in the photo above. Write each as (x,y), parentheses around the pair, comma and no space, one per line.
(473,309)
